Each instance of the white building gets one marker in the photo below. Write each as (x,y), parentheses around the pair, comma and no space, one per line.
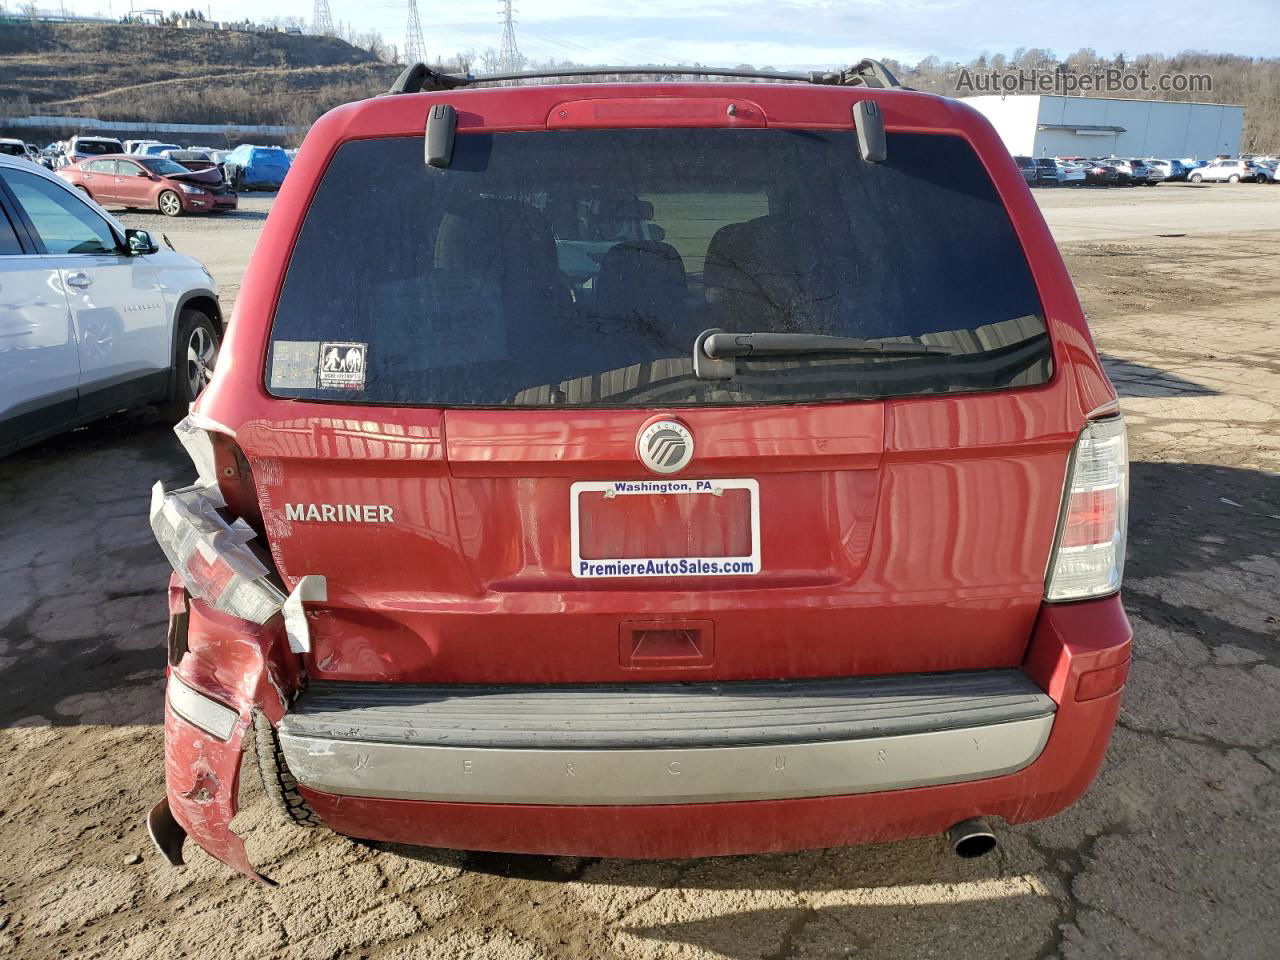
(1051,126)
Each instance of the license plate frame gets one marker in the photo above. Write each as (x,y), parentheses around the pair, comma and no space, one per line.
(644,567)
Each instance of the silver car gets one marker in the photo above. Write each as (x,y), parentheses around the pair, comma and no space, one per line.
(94,318)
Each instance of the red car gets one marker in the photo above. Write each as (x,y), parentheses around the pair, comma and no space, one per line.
(791,516)
(152,183)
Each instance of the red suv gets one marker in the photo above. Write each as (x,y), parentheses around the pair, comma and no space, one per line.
(152,183)
(777,502)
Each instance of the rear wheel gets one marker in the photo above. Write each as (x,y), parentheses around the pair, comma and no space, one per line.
(278,783)
(1234,178)
(170,204)
(195,355)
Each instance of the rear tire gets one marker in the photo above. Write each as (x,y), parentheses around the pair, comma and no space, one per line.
(1196,178)
(169,203)
(1234,178)
(277,782)
(195,354)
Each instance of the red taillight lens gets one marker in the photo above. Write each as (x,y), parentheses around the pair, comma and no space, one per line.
(1091,518)
(1088,558)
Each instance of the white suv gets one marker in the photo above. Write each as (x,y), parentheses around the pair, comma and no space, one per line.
(1232,171)
(94,318)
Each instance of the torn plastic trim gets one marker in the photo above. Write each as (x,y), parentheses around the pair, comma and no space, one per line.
(312,587)
(211,555)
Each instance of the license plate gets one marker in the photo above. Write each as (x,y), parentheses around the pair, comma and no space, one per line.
(665,528)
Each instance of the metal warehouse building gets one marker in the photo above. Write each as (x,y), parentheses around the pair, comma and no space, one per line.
(1049,126)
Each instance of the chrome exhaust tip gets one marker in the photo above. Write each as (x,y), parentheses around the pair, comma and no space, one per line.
(972,838)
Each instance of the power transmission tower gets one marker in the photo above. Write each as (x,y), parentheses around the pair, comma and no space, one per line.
(509,59)
(415,48)
(322,19)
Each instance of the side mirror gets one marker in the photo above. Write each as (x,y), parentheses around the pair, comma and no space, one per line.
(139,243)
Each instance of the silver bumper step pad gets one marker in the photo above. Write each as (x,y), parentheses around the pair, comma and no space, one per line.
(664,743)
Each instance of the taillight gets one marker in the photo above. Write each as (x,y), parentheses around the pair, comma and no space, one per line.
(1088,555)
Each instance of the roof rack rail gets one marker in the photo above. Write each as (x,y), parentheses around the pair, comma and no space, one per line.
(419,78)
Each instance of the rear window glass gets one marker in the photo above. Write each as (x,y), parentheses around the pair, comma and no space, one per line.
(98,146)
(579,267)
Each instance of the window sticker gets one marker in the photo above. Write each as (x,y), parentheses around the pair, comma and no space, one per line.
(293,364)
(342,366)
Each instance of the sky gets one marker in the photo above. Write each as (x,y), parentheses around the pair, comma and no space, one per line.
(787,34)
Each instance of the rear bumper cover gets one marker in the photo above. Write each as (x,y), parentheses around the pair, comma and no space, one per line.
(1046,768)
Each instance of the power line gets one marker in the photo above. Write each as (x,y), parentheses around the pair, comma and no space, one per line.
(322,19)
(415,48)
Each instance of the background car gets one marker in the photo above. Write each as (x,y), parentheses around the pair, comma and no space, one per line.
(1172,169)
(1225,171)
(1155,175)
(82,148)
(1047,170)
(95,318)
(1071,173)
(1101,172)
(14,148)
(1128,171)
(154,183)
(249,167)
(1028,168)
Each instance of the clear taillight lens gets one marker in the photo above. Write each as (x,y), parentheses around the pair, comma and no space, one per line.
(1088,557)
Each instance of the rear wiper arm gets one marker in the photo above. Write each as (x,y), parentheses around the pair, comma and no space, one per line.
(715,351)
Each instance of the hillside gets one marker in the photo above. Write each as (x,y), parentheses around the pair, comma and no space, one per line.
(164,74)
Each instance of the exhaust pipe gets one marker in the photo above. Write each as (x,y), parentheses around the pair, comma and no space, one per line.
(972,838)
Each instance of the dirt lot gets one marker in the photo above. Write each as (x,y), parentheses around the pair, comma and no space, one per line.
(1175,852)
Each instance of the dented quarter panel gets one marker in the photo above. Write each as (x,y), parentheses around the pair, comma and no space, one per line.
(247,667)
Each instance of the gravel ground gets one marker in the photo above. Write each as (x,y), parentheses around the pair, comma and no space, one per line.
(1173,853)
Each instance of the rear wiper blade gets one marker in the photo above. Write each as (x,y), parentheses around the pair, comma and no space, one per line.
(716,353)
(719,345)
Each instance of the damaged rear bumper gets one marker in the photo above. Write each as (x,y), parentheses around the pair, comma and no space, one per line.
(228,669)
(234,639)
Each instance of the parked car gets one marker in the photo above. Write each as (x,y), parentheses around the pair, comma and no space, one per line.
(1131,172)
(82,148)
(193,159)
(156,149)
(1072,173)
(1171,169)
(94,318)
(1155,175)
(1028,167)
(153,183)
(722,548)
(1047,171)
(1264,171)
(1225,171)
(10,147)
(256,168)
(1101,172)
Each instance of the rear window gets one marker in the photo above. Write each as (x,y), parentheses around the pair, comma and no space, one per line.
(268,156)
(578,268)
(98,146)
